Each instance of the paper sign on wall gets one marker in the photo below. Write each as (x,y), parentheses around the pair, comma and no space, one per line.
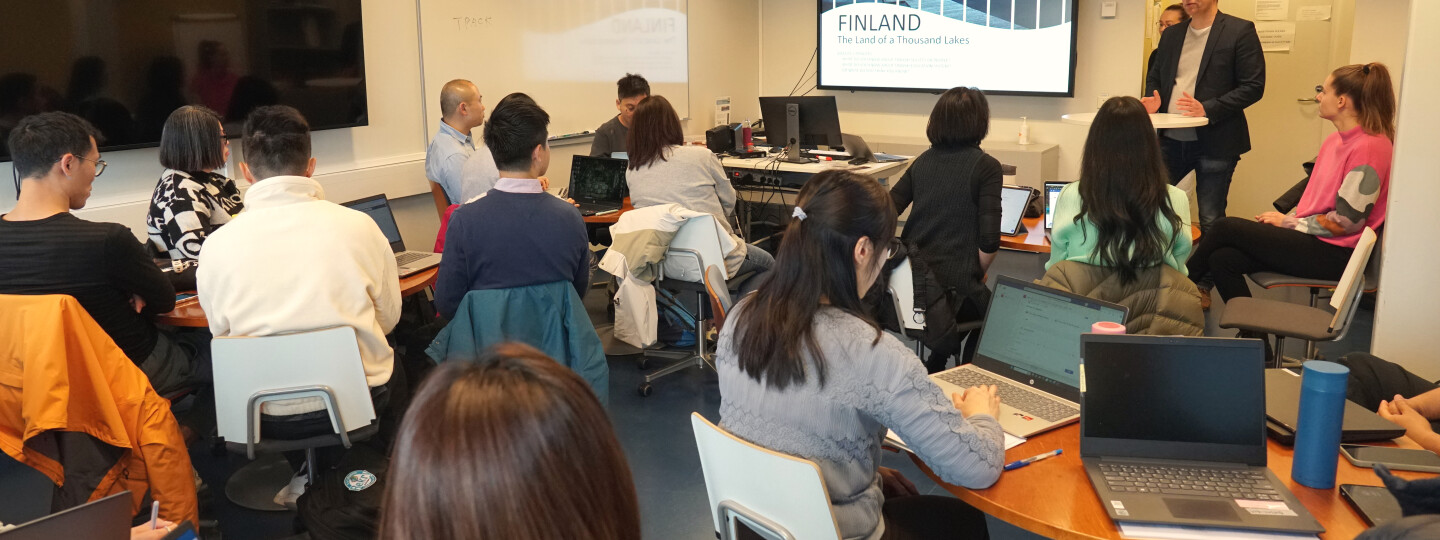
(1313,13)
(1276,36)
(1272,10)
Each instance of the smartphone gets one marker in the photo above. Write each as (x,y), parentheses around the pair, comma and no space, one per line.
(1403,459)
(1374,503)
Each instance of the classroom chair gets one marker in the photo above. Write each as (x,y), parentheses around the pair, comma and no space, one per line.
(778,495)
(321,364)
(719,293)
(442,201)
(1284,319)
(1272,280)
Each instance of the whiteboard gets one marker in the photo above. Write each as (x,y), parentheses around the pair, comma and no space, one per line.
(567,54)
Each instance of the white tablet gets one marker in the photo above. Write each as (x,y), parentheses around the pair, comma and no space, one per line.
(1012,207)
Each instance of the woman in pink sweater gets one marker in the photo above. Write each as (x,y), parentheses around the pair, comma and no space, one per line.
(1346,193)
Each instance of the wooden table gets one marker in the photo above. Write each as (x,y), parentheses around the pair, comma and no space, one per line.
(611,218)
(187,312)
(1035,240)
(1054,498)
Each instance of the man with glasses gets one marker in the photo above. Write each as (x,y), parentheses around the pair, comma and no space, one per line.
(44,249)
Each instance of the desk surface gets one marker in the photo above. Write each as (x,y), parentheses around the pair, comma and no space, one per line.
(1053,498)
(187,312)
(611,219)
(1035,240)
(1159,120)
(877,170)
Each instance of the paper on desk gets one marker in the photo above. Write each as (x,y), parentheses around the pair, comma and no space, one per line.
(1190,532)
(892,439)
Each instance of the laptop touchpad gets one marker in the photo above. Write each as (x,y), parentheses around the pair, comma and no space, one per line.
(1220,510)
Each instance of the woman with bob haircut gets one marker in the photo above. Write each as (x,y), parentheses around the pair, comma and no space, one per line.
(512,446)
(191,200)
(954,188)
(805,371)
(664,170)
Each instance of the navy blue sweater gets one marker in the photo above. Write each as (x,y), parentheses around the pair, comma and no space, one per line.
(505,240)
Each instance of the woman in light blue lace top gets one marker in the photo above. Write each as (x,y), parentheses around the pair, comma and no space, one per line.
(804,371)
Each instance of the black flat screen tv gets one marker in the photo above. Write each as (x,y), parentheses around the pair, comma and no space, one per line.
(125,65)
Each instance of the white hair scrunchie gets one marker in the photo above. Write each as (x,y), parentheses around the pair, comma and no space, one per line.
(798,213)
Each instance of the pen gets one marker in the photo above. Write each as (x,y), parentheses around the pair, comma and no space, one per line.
(1021,463)
(154,514)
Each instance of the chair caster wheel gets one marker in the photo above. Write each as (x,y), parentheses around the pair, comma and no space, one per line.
(646,390)
(643,363)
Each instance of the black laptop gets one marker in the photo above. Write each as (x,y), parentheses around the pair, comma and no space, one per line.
(1172,431)
(597,184)
(1282,411)
(105,519)
(378,208)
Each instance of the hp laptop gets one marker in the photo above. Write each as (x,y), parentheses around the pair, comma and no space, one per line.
(378,208)
(1030,349)
(1013,200)
(598,184)
(1173,432)
(105,519)
(1282,409)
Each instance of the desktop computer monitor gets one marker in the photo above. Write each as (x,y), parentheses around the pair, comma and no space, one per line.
(818,122)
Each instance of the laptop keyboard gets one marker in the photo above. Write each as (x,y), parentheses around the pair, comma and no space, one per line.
(406,257)
(1194,481)
(1024,400)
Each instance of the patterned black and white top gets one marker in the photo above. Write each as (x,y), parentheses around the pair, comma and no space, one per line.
(186,207)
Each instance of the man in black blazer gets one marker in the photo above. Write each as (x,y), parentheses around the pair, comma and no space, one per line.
(1210,66)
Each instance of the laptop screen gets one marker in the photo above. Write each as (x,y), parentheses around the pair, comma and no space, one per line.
(1012,207)
(598,179)
(378,208)
(1052,194)
(1166,397)
(1034,332)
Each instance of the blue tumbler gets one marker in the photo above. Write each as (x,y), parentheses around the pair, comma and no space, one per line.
(1317,431)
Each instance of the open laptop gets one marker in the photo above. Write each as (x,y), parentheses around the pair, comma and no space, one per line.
(597,184)
(1282,411)
(1013,200)
(1052,195)
(1030,349)
(105,519)
(1173,432)
(378,208)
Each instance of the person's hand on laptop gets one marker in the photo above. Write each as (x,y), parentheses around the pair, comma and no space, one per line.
(893,484)
(978,400)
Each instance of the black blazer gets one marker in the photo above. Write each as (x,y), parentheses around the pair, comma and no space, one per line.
(1232,77)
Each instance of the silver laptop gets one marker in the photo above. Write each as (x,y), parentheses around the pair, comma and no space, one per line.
(1173,432)
(1030,349)
(378,208)
(105,519)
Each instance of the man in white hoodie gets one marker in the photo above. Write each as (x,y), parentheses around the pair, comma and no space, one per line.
(292,262)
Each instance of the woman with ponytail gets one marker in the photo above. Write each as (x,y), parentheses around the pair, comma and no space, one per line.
(805,371)
(1347,192)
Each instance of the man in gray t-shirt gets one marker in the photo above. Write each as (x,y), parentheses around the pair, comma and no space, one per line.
(610,136)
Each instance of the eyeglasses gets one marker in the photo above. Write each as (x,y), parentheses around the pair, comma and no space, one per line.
(892,248)
(1319,89)
(99,164)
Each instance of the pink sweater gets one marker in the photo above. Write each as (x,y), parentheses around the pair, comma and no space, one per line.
(1348,188)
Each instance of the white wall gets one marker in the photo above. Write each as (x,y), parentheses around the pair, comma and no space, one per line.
(1405,323)
(1109,61)
(1380,38)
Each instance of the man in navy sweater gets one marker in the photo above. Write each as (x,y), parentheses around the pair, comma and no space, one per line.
(515,235)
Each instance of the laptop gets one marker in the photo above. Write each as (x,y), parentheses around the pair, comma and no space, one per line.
(105,519)
(1282,411)
(1173,432)
(597,184)
(1052,195)
(378,208)
(1012,208)
(1030,348)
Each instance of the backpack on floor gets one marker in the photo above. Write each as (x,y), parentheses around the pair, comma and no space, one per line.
(343,503)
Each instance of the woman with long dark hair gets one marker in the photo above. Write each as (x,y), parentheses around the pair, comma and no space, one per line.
(664,170)
(192,199)
(1123,213)
(514,446)
(1348,190)
(805,371)
(955,190)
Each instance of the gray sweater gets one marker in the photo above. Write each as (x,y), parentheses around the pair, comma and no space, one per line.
(690,176)
(840,426)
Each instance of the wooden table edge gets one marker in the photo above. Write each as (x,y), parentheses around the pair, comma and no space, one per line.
(1013,517)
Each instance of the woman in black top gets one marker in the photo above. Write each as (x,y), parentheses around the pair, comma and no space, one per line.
(955,189)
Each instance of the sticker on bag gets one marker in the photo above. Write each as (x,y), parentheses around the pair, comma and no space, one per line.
(359,480)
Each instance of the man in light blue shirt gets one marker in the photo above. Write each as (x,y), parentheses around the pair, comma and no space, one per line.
(452,160)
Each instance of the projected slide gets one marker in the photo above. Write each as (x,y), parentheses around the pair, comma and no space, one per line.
(999,46)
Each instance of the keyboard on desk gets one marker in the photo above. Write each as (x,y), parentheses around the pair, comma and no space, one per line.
(404,258)
(1193,481)
(1011,394)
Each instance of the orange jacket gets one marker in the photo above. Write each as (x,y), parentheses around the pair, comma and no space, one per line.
(61,375)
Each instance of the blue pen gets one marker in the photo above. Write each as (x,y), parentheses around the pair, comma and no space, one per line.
(1021,463)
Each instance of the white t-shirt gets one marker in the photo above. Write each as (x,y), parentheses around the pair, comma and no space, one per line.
(1185,76)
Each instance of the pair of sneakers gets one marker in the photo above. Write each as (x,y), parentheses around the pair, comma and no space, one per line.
(292,491)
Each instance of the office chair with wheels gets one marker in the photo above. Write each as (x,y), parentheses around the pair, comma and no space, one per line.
(1284,319)
(776,495)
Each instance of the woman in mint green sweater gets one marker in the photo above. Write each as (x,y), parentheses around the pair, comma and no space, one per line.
(1123,213)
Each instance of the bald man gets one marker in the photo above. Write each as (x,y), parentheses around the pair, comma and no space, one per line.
(462,169)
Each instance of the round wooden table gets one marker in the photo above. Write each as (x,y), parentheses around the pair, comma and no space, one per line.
(1054,498)
(611,218)
(1036,241)
(1159,120)
(187,312)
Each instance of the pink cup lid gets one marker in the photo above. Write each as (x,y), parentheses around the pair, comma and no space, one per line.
(1107,327)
